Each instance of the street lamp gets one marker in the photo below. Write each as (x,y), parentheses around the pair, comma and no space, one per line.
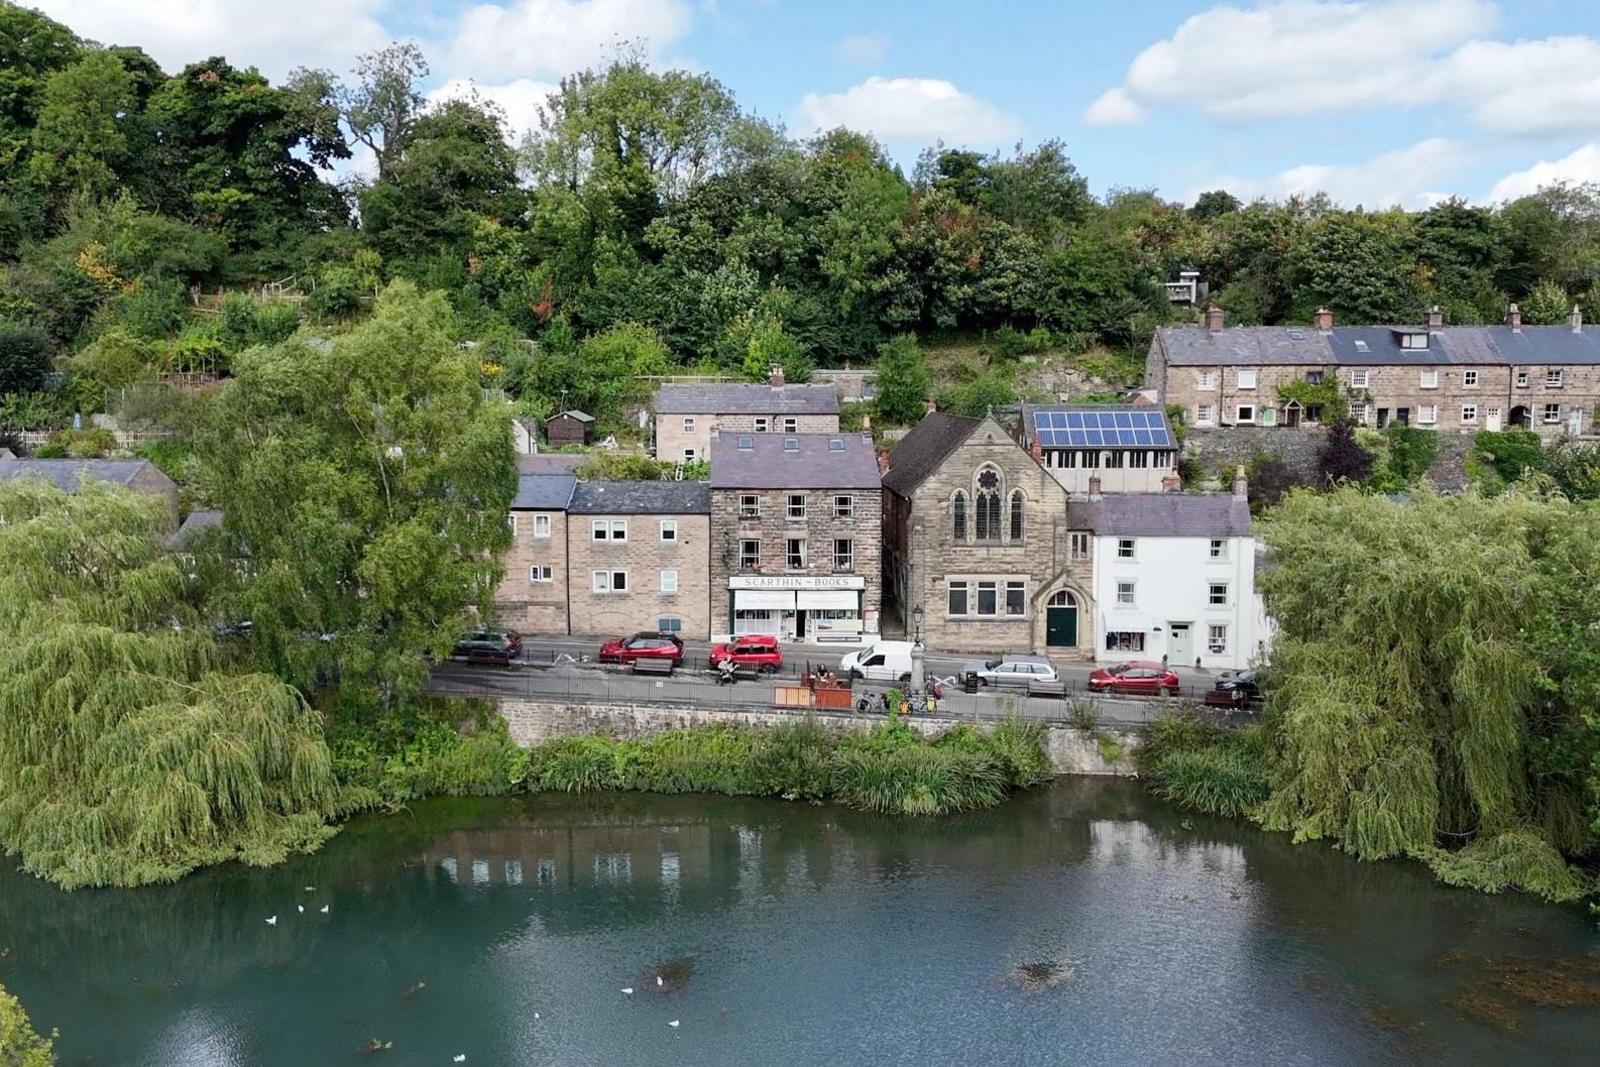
(917,668)
(916,624)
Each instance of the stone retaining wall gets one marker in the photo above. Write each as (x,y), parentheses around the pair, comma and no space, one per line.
(1071,750)
(1222,449)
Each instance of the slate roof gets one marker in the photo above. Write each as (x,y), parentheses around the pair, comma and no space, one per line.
(1163,515)
(66,473)
(550,462)
(641,498)
(193,523)
(746,399)
(573,414)
(1192,346)
(919,453)
(543,492)
(814,462)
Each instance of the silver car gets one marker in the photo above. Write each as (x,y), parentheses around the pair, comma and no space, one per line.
(1012,670)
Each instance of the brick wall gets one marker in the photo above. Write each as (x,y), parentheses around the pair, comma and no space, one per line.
(527,606)
(643,556)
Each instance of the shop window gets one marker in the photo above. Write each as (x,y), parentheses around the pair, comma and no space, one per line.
(1125,641)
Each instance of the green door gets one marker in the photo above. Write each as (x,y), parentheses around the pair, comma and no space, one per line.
(1061,627)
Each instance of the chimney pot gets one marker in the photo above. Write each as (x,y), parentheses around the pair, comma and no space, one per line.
(775,376)
(866,421)
(1435,318)
(1576,319)
(1094,487)
(1323,320)
(1172,481)
(1214,319)
(1241,484)
(1513,316)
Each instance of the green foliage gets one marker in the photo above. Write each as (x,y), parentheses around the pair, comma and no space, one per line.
(1401,455)
(903,383)
(20,1044)
(1509,454)
(24,358)
(979,396)
(634,467)
(1203,767)
(1546,305)
(91,442)
(1516,859)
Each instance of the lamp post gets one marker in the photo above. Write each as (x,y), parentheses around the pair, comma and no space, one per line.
(917,680)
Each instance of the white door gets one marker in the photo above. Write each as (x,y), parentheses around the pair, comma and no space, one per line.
(1491,420)
(1180,644)
(1575,422)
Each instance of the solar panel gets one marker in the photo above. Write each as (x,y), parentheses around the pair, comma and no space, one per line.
(1077,437)
(1124,420)
(1144,437)
(1095,437)
(1074,420)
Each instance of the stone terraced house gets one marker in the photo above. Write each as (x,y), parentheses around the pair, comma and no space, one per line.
(1450,378)
(637,554)
(687,414)
(532,597)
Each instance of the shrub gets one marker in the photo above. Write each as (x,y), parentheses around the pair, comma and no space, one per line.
(20,1045)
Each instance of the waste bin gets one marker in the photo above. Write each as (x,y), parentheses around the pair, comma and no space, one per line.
(969,682)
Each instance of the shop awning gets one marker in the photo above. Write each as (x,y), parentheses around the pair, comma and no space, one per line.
(763,600)
(837,599)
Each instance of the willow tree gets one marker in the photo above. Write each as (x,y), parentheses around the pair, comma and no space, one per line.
(365,485)
(131,751)
(1405,693)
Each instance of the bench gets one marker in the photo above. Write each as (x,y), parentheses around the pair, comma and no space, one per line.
(652,665)
(1048,689)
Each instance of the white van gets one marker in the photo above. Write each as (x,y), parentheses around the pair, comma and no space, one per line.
(886,661)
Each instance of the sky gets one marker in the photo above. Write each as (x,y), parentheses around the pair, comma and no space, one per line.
(1377,102)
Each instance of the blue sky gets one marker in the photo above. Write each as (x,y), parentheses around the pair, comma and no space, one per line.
(1377,101)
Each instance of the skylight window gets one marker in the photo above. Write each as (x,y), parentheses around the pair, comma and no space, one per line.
(791,444)
(1361,346)
(1297,335)
(746,442)
(835,444)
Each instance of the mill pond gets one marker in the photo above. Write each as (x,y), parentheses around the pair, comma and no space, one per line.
(1081,923)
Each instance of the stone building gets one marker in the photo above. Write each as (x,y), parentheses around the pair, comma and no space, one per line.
(1129,448)
(686,415)
(638,558)
(1453,378)
(139,475)
(980,537)
(532,597)
(798,537)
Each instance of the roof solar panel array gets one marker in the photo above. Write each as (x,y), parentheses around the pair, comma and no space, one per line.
(1089,429)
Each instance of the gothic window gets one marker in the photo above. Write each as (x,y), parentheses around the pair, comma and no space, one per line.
(988,524)
(958,515)
(1016,515)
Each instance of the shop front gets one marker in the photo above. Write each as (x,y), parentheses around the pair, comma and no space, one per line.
(806,608)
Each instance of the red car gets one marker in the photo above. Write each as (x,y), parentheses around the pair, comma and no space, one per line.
(757,652)
(645,645)
(1147,679)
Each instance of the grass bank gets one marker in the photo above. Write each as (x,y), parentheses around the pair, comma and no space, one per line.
(457,750)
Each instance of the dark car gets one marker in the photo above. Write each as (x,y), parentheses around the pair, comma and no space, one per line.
(1235,691)
(754,652)
(1136,678)
(643,646)
(488,646)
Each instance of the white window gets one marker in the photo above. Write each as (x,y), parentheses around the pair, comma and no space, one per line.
(511,520)
(1206,379)
(688,424)
(540,572)
(1016,598)
(1358,379)
(688,455)
(1216,640)
(1219,548)
(797,505)
(1125,548)
(1413,340)
(669,529)
(608,529)
(1204,415)
(1430,379)
(796,553)
(790,425)
(1080,545)
(750,554)
(669,582)
(988,599)
(763,424)
(1245,413)
(957,603)
(1469,378)
(610,581)
(541,526)
(1359,414)
(1217,594)
(1552,378)
(844,555)
(1247,377)
(1428,415)
(749,506)
(1469,413)
(1552,413)
(844,507)
(1125,593)
(1522,379)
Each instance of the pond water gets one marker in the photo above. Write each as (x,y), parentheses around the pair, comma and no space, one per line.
(1082,923)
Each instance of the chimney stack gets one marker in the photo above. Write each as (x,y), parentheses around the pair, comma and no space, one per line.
(1214,319)
(1036,450)
(1323,320)
(775,376)
(866,420)
(1513,316)
(1576,318)
(1241,484)
(1172,481)
(1435,318)
(1094,487)
(929,406)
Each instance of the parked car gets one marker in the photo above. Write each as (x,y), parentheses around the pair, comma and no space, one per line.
(1234,691)
(488,646)
(1137,677)
(643,645)
(1012,670)
(757,652)
(886,661)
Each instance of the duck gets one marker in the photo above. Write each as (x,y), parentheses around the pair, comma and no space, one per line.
(273,921)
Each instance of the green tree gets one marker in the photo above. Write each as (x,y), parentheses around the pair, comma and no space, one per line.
(20,1044)
(386,100)
(24,358)
(903,383)
(32,47)
(1359,265)
(1546,305)
(79,142)
(131,750)
(366,482)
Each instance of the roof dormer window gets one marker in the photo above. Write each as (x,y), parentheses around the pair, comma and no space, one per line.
(1413,340)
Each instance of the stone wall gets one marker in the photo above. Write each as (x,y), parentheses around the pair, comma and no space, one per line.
(1222,449)
(1071,750)
(643,556)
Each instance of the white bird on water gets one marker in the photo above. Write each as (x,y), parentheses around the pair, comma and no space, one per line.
(302,908)
(658,979)
(673,1023)
(272,921)
(628,990)
(325,908)
(460,1057)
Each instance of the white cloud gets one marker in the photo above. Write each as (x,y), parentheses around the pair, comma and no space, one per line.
(1581,166)
(862,48)
(549,38)
(1303,57)
(276,37)
(905,109)
(1408,177)
(519,100)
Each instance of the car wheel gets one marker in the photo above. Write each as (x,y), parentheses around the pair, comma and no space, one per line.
(905,679)
(768,668)
(855,675)
(1171,690)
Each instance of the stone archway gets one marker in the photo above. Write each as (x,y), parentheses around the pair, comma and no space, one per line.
(1061,617)
(1063,620)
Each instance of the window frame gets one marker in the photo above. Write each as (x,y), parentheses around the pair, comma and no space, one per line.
(1239,415)
(1217,550)
(1206,380)
(992,588)
(1554,378)
(848,556)
(1205,415)
(951,591)
(1247,377)
(1428,378)
(662,581)
(1469,413)
(669,531)
(1078,538)
(1217,638)
(1127,593)
(542,521)
(610,584)
(1427,414)
(1212,595)
(1020,589)
(762,424)
(1546,415)
(534,569)
(749,505)
(1469,379)
(795,512)
(844,506)
(749,561)
(791,424)
(1360,378)
(1127,548)
(790,554)
(608,530)
(688,424)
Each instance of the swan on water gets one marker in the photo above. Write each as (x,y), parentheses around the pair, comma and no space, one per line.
(272,921)
(325,908)
(673,1023)
(628,990)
